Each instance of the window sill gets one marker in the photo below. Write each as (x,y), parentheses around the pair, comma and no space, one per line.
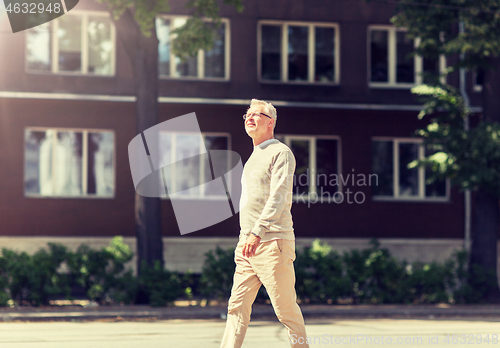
(388,85)
(193,78)
(76,74)
(302,83)
(39,196)
(411,199)
(197,198)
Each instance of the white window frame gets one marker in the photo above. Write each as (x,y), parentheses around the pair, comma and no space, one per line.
(202,166)
(311,54)
(84,46)
(200,57)
(287,139)
(421,173)
(85,132)
(391,60)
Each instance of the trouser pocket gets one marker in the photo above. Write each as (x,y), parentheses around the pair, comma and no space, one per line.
(279,245)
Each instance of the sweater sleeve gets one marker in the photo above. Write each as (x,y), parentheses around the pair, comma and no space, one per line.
(280,195)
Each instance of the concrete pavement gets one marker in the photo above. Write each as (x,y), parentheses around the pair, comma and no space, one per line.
(261,334)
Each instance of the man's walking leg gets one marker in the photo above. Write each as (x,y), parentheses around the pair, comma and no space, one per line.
(280,286)
(246,284)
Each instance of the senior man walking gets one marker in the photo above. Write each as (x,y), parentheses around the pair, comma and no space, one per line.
(266,247)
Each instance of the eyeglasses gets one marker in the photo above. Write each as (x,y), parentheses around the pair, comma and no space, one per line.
(245,116)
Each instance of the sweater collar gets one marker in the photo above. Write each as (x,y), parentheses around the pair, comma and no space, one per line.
(265,143)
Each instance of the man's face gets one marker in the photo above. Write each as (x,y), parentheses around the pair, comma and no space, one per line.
(257,124)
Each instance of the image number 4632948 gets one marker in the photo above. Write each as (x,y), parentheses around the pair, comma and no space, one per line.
(25,14)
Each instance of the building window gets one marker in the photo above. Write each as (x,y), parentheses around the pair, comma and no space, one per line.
(317,166)
(298,52)
(213,64)
(184,178)
(69,163)
(390,159)
(478,78)
(76,43)
(391,62)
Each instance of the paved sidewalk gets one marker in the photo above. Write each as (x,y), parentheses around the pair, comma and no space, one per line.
(322,333)
(260,311)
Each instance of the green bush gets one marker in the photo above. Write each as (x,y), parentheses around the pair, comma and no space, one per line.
(472,284)
(4,292)
(319,274)
(52,274)
(102,272)
(34,279)
(371,275)
(430,283)
(161,286)
(217,274)
(382,278)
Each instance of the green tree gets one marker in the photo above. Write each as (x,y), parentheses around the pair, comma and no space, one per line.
(471,158)
(135,21)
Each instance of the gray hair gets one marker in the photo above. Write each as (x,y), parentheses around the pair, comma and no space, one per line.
(269,109)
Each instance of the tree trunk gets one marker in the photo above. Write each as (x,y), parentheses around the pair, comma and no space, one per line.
(143,54)
(485,228)
(486,218)
(147,209)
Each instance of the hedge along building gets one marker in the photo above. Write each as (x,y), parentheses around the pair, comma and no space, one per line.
(337,73)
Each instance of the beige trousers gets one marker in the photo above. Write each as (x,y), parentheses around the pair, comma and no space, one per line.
(272,265)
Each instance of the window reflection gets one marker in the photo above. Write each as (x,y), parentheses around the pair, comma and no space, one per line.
(38,162)
(300,149)
(163,33)
(385,163)
(271,48)
(215,58)
(405,66)
(324,57)
(298,53)
(79,38)
(100,164)
(56,163)
(326,163)
(379,50)
(100,45)
(39,48)
(215,143)
(188,67)
(186,165)
(68,164)
(70,43)
(383,167)
(408,178)
(210,64)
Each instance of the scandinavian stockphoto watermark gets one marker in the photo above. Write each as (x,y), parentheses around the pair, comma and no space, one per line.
(428,340)
(171,160)
(333,188)
(26,14)
(318,188)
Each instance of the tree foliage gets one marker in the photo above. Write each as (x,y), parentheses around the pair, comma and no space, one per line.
(470,158)
(198,32)
(435,22)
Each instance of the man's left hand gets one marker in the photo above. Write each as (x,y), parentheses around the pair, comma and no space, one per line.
(251,245)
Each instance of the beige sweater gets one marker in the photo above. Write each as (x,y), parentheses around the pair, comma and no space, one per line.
(267,188)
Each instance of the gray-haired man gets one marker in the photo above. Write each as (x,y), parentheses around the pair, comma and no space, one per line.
(266,247)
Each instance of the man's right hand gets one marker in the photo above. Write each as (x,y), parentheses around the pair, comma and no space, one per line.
(251,245)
